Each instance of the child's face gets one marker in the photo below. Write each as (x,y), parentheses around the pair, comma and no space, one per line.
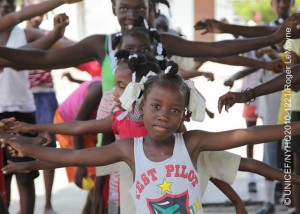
(122,79)
(137,43)
(7,6)
(129,10)
(282,7)
(162,117)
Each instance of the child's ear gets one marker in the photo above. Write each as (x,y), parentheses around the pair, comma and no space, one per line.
(114,9)
(142,107)
(155,10)
(187,115)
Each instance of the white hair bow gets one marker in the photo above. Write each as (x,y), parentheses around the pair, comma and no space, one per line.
(133,91)
(196,102)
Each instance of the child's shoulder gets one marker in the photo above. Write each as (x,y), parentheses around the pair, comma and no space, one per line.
(193,133)
(125,142)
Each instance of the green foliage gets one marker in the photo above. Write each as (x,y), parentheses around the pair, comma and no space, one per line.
(245,8)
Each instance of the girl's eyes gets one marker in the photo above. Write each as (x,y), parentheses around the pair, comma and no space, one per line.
(123,9)
(155,106)
(175,111)
(145,50)
(142,9)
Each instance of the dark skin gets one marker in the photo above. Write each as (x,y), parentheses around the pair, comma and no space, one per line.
(276,84)
(281,8)
(162,120)
(86,50)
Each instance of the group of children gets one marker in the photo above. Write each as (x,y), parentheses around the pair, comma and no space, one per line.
(163,166)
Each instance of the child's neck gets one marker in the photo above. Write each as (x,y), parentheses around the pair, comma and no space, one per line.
(158,151)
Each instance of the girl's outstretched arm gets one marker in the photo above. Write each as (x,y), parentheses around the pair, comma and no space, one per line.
(28,166)
(214,26)
(37,39)
(29,12)
(230,47)
(231,194)
(121,150)
(282,82)
(260,168)
(198,141)
(83,51)
(68,128)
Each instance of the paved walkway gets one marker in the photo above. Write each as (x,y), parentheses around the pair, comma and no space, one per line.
(69,199)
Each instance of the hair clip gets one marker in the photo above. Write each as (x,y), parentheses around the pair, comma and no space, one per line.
(167,70)
(133,77)
(159,57)
(119,34)
(146,23)
(132,56)
(159,48)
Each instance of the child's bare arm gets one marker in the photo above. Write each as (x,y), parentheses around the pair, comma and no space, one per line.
(29,12)
(28,166)
(191,49)
(231,194)
(121,150)
(68,128)
(284,81)
(37,39)
(260,168)
(214,26)
(198,140)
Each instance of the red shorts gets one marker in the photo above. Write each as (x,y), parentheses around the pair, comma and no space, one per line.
(249,112)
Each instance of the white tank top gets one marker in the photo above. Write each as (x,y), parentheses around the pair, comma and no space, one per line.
(170,186)
(14,86)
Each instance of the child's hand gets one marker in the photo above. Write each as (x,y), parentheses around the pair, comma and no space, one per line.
(68,76)
(20,127)
(43,140)
(209,76)
(61,21)
(16,167)
(209,26)
(229,83)
(15,148)
(6,124)
(276,65)
(230,99)
(80,173)
(292,23)
(273,54)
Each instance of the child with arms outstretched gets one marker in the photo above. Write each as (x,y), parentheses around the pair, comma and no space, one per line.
(161,148)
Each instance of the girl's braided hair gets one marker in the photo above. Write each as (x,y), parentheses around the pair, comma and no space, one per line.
(139,28)
(170,76)
(139,63)
(165,2)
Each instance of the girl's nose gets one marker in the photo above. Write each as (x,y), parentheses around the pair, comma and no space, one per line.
(163,115)
(131,14)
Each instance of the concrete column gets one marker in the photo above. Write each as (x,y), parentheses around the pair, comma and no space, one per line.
(204,9)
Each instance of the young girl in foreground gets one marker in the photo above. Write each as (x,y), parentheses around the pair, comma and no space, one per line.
(162,162)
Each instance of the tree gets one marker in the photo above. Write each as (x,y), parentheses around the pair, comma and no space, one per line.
(245,8)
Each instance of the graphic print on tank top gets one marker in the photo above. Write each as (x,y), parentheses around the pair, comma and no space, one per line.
(170,186)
